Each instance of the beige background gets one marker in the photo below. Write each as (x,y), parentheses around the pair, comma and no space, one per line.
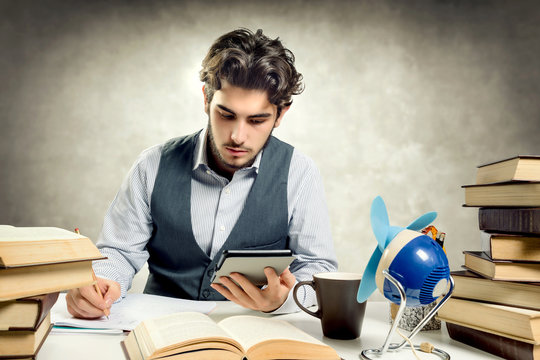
(403,99)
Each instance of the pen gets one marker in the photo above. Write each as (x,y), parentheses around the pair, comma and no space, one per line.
(98,290)
(96,286)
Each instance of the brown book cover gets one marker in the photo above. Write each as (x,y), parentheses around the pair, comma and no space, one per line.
(25,314)
(510,220)
(494,344)
(480,263)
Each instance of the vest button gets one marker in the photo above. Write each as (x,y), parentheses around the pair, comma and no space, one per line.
(210,272)
(205,293)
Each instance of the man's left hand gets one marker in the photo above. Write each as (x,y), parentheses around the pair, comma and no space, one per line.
(244,293)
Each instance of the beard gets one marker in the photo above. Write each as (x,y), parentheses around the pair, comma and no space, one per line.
(219,160)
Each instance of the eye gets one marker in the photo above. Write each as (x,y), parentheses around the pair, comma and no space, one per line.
(226,116)
(257,121)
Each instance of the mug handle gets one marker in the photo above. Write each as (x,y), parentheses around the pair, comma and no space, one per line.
(317,314)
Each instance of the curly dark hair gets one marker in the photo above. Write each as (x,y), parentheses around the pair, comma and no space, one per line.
(252,61)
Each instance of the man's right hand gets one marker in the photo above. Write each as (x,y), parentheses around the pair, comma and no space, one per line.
(86,303)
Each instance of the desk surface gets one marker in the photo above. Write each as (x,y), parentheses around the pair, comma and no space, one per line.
(374,331)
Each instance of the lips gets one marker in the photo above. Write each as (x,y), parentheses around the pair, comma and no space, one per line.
(236,151)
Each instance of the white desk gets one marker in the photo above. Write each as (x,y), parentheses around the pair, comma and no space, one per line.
(374,331)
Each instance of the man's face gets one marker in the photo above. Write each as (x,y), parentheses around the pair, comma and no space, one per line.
(240,122)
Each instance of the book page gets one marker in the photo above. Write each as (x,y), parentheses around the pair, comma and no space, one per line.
(250,330)
(182,328)
(12,233)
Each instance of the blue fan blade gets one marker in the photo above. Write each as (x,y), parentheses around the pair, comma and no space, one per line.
(422,221)
(368,284)
(379,221)
(392,232)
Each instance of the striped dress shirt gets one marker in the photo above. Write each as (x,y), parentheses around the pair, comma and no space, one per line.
(216,204)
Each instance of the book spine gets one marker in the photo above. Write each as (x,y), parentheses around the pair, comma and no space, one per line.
(510,220)
(485,238)
(506,348)
(45,306)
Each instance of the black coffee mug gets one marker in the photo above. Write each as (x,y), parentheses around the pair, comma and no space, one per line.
(341,315)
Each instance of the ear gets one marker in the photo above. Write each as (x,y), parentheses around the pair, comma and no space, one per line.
(283,111)
(206,107)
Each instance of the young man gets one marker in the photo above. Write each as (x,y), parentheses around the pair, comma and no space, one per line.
(231,185)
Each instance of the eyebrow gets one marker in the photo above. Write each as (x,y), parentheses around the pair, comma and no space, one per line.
(262,115)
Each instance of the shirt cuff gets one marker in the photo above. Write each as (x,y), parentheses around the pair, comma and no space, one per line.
(103,271)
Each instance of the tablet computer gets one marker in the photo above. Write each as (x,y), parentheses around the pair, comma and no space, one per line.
(251,263)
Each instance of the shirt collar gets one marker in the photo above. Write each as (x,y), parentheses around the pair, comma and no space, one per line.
(200,156)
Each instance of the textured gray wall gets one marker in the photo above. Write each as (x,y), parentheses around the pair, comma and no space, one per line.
(403,99)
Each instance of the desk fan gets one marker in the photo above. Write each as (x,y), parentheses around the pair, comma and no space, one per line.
(409,268)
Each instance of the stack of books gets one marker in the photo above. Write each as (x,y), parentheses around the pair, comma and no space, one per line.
(496,301)
(35,264)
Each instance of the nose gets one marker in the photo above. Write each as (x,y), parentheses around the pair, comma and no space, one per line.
(239,133)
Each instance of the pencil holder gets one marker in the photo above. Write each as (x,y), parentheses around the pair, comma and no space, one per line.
(412,317)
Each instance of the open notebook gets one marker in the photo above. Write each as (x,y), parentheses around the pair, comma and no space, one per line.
(126,314)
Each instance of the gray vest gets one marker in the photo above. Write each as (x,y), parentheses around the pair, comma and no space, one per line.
(178,266)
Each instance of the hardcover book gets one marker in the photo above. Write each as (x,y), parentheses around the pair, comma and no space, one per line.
(510,220)
(21,246)
(479,262)
(40,260)
(24,344)
(26,314)
(513,247)
(512,322)
(195,336)
(469,285)
(517,168)
(24,281)
(517,194)
(498,345)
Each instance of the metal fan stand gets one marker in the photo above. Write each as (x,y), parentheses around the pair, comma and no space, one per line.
(365,354)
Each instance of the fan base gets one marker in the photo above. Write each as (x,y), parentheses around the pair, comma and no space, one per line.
(397,347)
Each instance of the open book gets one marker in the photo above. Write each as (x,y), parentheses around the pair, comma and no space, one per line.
(190,335)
